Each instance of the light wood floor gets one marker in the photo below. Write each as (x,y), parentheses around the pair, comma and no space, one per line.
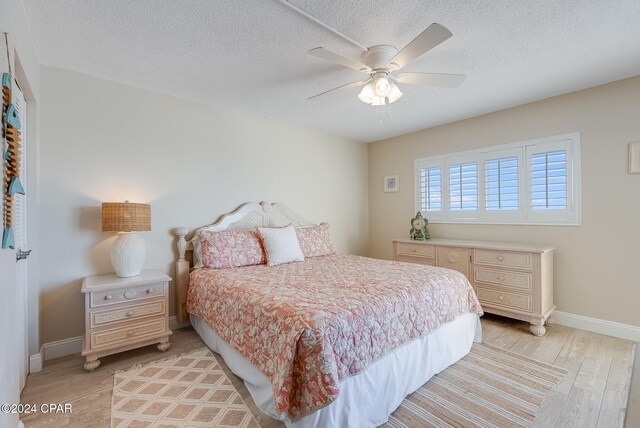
(592,394)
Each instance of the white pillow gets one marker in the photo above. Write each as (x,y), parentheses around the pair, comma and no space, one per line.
(281,245)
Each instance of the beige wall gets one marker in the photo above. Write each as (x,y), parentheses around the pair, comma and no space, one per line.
(597,271)
(103,141)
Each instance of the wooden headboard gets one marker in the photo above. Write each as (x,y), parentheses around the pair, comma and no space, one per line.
(247,217)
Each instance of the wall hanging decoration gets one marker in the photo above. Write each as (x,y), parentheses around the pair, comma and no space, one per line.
(11,152)
(391,183)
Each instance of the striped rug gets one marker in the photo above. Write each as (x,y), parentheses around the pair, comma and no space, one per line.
(490,387)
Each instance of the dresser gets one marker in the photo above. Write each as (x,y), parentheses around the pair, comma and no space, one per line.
(125,313)
(510,279)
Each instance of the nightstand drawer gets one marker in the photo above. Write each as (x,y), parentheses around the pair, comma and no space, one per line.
(501,298)
(416,250)
(505,278)
(503,258)
(131,333)
(110,316)
(110,297)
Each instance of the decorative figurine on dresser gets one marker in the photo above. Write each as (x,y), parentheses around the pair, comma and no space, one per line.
(419,228)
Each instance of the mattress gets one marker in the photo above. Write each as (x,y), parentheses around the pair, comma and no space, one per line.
(312,325)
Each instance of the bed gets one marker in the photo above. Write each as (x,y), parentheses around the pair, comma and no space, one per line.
(335,340)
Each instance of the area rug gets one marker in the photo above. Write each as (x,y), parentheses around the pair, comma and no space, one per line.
(490,387)
(189,390)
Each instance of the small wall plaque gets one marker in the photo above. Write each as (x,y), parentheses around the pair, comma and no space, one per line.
(391,183)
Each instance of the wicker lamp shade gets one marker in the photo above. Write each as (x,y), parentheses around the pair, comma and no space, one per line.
(125,217)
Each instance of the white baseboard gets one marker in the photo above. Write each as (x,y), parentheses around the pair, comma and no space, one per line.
(62,348)
(73,345)
(595,325)
(35,362)
(173,323)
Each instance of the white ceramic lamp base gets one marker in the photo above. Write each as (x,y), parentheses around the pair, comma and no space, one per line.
(127,254)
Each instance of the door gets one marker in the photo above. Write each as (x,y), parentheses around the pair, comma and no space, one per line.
(9,376)
(20,239)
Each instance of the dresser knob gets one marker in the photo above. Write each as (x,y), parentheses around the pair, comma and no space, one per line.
(108,297)
(500,258)
(501,278)
(149,290)
(129,313)
(501,297)
(131,333)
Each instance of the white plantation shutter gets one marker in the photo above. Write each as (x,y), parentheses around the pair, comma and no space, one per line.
(549,180)
(431,189)
(501,184)
(530,182)
(463,186)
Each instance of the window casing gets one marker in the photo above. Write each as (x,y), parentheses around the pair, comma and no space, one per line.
(529,182)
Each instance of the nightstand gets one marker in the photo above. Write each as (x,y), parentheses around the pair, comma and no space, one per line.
(125,313)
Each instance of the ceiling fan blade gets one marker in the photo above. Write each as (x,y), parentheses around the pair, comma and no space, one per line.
(339,88)
(339,59)
(427,40)
(432,79)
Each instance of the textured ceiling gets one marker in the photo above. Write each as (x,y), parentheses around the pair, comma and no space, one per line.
(251,54)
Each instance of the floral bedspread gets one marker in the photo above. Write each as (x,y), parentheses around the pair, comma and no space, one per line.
(307,325)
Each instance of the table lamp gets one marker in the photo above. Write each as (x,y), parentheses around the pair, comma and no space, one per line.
(128,251)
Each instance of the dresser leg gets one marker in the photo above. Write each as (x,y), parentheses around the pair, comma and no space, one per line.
(548,321)
(92,363)
(537,330)
(164,344)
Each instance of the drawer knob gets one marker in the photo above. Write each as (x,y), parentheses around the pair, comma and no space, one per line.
(129,313)
(501,278)
(131,333)
(149,290)
(501,297)
(500,258)
(108,297)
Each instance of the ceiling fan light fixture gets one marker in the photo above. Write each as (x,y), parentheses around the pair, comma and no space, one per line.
(395,93)
(383,87)
(367,94)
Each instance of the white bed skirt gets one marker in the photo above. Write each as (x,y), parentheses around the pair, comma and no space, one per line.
(367,399)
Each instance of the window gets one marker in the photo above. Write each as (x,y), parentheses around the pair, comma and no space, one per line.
(430,189)
(463,187)
(531,182)
(501,184)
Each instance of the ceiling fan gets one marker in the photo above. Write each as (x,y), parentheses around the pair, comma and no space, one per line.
(381,61)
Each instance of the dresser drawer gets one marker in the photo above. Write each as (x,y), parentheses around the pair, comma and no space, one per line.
(419,260)
(505,278)
(110,316)
(133,332)
(503,258)
(110,297)
(501,298)
(416,250)
(454,258)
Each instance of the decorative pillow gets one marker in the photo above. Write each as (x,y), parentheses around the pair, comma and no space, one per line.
(230,248)
(315,240)
(281,245)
